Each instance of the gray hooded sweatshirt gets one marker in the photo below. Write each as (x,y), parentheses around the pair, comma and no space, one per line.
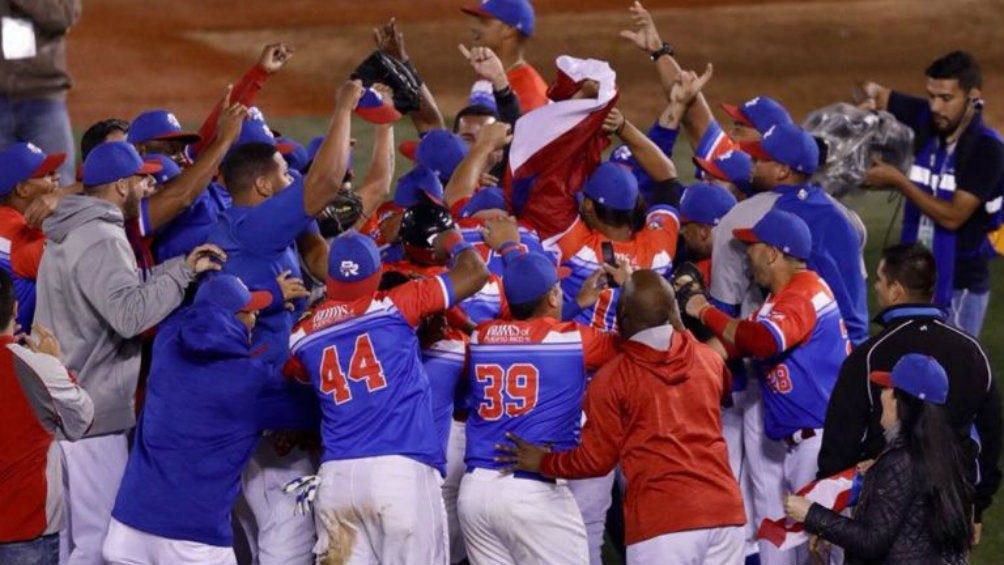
(90,295)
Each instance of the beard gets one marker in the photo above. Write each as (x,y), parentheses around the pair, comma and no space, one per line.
(130,208)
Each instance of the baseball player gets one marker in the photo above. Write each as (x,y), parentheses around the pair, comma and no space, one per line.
(799,341)
(379,498)
(527,376)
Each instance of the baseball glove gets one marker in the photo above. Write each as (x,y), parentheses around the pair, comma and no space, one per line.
(688,282)
(341,214)
(400,77)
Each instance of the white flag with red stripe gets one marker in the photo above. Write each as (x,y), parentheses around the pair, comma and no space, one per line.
(558,145)
(836,493)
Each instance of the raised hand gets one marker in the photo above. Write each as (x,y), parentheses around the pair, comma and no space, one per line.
(614,122)
(232,117)
(495,135)
(646,37)
(592,287)
(882,175)
(500,230)
(389,40)
(348,94)
(486,64)
(274,56)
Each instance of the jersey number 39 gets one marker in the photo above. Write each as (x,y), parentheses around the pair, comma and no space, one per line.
(511,392)
(363,367)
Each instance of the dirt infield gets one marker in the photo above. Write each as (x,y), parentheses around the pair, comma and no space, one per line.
(127,56)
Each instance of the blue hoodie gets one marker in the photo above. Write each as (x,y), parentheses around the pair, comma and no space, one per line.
(198,430)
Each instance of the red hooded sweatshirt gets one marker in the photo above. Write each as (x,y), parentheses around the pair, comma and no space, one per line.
(656,408)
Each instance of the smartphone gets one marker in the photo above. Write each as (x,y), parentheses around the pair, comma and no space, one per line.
(610,259)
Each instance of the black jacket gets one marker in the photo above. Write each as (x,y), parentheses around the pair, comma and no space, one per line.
(890,524)
(852,432)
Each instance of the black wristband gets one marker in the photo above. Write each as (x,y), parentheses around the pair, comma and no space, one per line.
(414,71)
(666,49)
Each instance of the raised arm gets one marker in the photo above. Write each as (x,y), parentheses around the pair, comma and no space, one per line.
(465,178)
(391,41)
(377,184)
(325,176)
(165,204)
(645,151)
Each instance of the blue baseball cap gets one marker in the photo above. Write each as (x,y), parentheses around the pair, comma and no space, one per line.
(787,144)
(254,130)
(441,151)
(315,145)
(613,186)
(293,152)
(353,267)
(529,276)
(168,168)
(920,376)
(759,113)
(782,230)
(23,161)
(231,294)
(414,183)
(733,166)
(488,198)
(114,160)
(515,13)
(705,204)
(159,125)
(483,94)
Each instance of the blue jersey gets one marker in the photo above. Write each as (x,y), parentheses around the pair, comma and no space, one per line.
(812,343)
(192,227)
(260,242)
(444,363)
(838,240)
(528,377)
(364,362)
(199,427)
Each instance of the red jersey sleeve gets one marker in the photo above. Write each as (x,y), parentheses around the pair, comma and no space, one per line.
(790,321)
(598,347)
(417,299)
(295,371)
(602,434)
(26,254)
(529,86)
(244,92)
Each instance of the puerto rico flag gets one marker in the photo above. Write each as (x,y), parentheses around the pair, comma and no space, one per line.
(557,146)
(836,493)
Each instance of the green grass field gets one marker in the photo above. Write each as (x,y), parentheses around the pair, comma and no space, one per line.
(875,210)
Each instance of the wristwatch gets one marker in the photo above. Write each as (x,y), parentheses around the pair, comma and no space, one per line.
(666,49)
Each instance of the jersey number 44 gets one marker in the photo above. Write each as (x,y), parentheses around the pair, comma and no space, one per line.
(363,367)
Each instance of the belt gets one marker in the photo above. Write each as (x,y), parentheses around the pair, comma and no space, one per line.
(799,436)
(518,475)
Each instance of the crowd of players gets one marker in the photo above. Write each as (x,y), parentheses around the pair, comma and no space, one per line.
(476,362)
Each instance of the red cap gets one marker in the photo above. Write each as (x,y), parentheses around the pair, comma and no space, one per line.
(737,114)
(712,169)
(150,167)
(408,148)
(478,11)
(51,163)
(755,149)
(260,299)
(881,378)
(745,235)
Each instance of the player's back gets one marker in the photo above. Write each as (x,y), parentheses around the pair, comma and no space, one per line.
(526,377)
(364,362)
(802,377)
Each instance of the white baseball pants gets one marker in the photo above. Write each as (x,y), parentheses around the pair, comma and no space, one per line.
(455,469)
(513,521)
(92,472)
(276,534)
(384,510)
(128,546)
(720,546)
(594,496)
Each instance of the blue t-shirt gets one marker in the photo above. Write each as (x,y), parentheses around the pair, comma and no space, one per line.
(192,227)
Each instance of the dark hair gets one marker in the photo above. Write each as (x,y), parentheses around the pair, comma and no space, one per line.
(247,163)
(526,310)
(614,218)
(6,298)
(960,65)
(474,110)
(96,134)
(913,267)
(938,469)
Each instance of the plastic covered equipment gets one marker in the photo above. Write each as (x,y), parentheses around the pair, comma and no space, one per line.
(853,137)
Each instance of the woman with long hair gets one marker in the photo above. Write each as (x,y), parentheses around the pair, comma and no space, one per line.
(915,504)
